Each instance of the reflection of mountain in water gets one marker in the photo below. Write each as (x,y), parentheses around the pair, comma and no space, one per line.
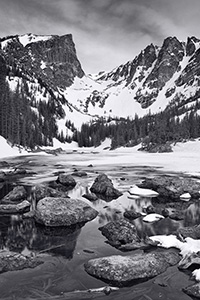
(19,235)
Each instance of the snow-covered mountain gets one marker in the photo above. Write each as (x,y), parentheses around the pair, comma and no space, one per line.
(46,69)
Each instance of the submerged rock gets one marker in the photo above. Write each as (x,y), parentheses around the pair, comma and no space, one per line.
(123,270)
(12,261)
(63,212)
(172,187)
(104,186)
(17,194)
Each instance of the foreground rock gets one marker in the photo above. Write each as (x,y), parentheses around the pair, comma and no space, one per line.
(103,186)
(17,194)
(22,207)
(63,212)
(123,235)
(193,290)
(192,232)
(123,270)
(172,187)
(12,261)
(41,191)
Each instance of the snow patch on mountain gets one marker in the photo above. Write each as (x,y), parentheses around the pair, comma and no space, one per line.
(33,38)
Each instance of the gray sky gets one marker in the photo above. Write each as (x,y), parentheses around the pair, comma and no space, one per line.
(107,33)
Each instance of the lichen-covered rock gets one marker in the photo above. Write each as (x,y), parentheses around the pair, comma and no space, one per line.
(122,270)
(172,187)
(66,180)
(17,194)
(104,186)
(63,212)
(193,290)
(12,261)
(192,232)
(121,234)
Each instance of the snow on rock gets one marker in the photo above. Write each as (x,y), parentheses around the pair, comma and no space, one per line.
(185,197)
(135,190)
(32,38)
(189,246)
(152,218)
(196,274)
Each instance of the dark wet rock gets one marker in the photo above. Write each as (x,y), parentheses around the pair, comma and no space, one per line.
(122,178)
(131,214)
(41,191)
(20,171)
(66,180)
(22,207)
(189,260)
(79,174)
(172,187)
(91,197)
(123,270)
(63,212)
(193,290)
(104,186)
(19,193)
(177,215)
(120,232)
(90,166)
(165,212)
(12,261)
(150,209)
(2,176)
(192,232)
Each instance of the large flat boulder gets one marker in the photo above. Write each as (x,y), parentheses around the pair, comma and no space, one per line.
(103,187)
(172,187)
(123,270)
(63,212)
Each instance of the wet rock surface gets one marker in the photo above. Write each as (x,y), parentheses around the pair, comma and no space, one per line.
(123,270)
(103,186)
(22,207)
(172,187)
(193,290)
(41,191)
(66,180)
(63,212)
(17,194)
(12,261)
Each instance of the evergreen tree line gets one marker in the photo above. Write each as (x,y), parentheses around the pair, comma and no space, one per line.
(151,130)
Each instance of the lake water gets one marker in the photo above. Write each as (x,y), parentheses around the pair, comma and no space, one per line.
(65,251)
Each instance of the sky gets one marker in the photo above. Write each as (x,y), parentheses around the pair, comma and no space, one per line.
(106,33)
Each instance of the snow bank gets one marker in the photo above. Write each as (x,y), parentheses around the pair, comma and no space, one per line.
(6,150)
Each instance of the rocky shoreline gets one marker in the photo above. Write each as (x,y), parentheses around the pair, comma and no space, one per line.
(49,204)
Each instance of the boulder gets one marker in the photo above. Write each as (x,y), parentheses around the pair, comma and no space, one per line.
(177,215)
(22,207)
(123,270)
(66,180)
(17,194)
(79,174)
(103,186)
(189,260)
(172,187)
(192,232)
(41,191)
(131,214)
(91,197)
(193,290)
(63,212)
(123,235)
(13,261)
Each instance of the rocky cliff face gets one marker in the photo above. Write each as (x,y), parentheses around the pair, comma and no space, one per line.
(50,59)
